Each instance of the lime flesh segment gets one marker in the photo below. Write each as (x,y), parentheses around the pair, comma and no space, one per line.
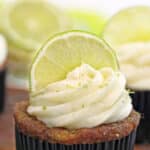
(27,24)
(129,25)
(66,51)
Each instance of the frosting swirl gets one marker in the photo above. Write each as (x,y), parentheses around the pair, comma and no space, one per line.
(134,60)
(3,50)
(85,99)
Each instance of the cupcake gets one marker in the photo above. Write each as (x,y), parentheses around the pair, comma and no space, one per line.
(77,100)
(26,24)
(3,59)
(128,32)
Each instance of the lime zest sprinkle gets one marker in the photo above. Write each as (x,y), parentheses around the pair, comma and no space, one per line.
(85,86)
(130,91)
(70,86)
(103,84)
(83,105)
(44,107)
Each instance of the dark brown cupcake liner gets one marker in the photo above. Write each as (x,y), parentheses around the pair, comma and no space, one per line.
(141,103)
(2,89)
(25,142)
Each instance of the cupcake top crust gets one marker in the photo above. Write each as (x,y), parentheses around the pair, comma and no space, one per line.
(3,50)
(82,88)
(132,44)
(30,126)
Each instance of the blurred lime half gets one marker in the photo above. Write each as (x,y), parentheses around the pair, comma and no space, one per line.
(29,23)
(128,26)
(88,21)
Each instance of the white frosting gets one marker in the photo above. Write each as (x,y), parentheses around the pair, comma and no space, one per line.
(86,98)
(14,82)
(134,60)
(3,50)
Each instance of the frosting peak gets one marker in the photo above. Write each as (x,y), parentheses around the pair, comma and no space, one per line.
(3,49)
(83,76)
(86,98)
(134,61)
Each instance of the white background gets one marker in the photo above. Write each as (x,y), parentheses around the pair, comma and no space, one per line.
(107,6)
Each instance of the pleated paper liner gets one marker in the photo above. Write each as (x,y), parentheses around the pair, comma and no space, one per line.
(24,142)
(2,89)
(141,103)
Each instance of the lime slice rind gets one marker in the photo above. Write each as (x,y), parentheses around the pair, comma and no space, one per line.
(66,51)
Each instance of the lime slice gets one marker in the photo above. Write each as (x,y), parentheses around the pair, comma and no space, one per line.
(29,23)
(66,51)
(86,21)
(129,25)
